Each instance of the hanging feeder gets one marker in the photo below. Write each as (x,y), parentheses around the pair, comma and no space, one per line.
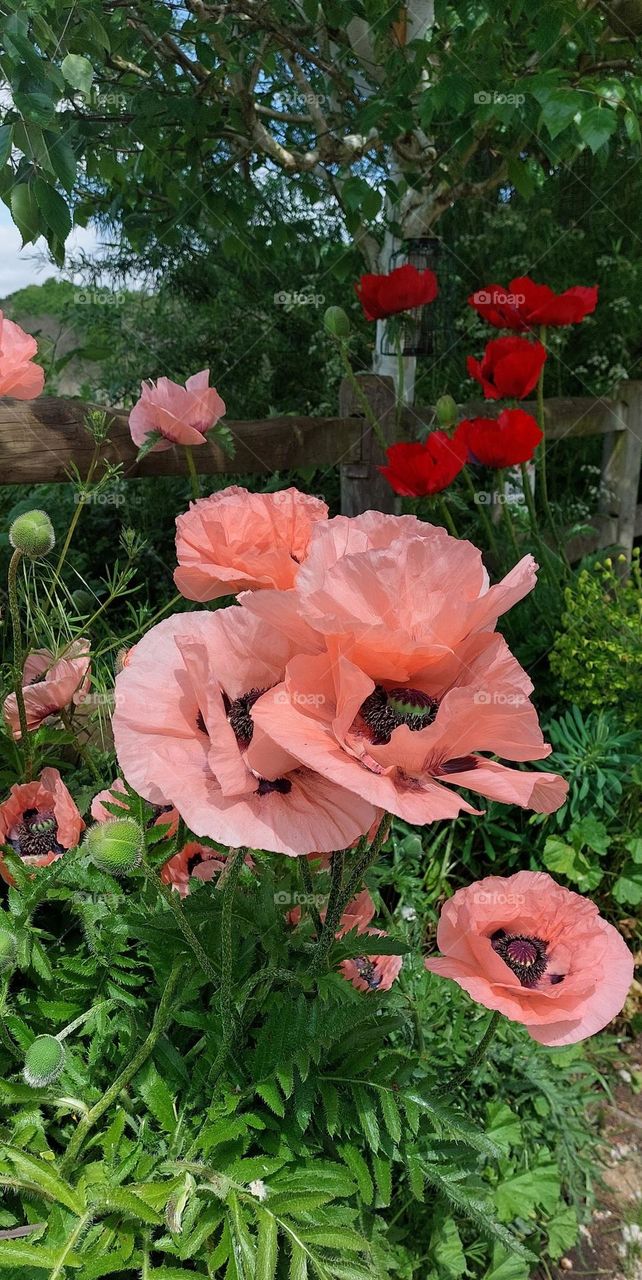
(426,330)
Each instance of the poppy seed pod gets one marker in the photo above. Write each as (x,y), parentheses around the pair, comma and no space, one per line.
(336,322)
(44,1061)
(115,847)
(446,411)
(32,534)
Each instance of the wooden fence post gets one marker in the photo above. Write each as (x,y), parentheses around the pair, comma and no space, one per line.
(363,488)
(621,467)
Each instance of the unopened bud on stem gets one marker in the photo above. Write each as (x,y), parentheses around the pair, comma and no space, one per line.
(115,847)
(32,534)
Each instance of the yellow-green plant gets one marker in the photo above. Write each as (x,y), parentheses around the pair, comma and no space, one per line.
(598,653)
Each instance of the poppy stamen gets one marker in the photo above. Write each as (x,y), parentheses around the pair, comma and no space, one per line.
(385,709)
(525,956)
(239,716)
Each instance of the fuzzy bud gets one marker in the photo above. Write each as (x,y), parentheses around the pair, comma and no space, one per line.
(44,1061)
(337,323)
(33,534)
(115,847)
(8,948)
(446,411)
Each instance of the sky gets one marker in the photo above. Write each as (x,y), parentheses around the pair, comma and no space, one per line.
(32,265)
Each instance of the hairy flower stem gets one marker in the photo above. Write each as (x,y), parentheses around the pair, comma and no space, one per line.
(14,609)
(83,752)
(192,472)
(333,913)
(361,397)
(442,507)
(547,556)
(365,860)
(162,1018)
(483,515)
(478,1054)
(80,506)
(172,899)
(235,864)
(306,878)
(541,462)
(4,1031)
(506,519)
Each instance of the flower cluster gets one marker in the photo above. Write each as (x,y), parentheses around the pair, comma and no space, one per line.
(361,671)
(509,369)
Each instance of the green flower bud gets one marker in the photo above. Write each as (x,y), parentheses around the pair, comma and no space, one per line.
(115,847)
(44,1061)
(8,948)
(446,411)
(336,322)
(82,601)
(32,534)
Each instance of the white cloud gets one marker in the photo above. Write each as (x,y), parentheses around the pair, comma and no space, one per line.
(32,265)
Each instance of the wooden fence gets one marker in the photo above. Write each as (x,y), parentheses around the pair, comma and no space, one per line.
(40,439)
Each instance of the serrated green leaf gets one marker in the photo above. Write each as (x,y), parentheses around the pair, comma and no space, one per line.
(267,1250)
(44,1176)
(359,1170)
(107,1199)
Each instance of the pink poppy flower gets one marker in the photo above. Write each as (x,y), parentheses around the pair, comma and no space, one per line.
(371,972)
(537,953)
(237,540)
(40,821)
(196,860)
(397,594)
(50,684)
(403,744)
(185,734)
(181,415)
(368,972)
(19,376)
(164,814)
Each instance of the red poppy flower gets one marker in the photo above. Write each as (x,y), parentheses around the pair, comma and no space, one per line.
(526,305)
(415,470)
(509,368)
(401,290)
(499,442)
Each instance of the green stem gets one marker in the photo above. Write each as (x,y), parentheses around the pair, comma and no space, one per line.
(80,506)
(547,558)
(401,378)
(333,913)
(235,864)
(162,1018)
(506,519)
(541,461)
(14,609)
(479,1053)
(4,1030)
(365,860)
(134,635)
(172,899)
(361,397)
(446,517)
(306,878)
(483,514)
(78,1022)
(193,476)
(84,754)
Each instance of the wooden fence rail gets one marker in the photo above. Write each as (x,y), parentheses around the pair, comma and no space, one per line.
(40,439)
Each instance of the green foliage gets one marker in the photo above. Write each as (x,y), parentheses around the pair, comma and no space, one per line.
(597,655)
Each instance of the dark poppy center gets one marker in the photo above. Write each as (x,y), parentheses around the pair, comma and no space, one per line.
(385,709)
(524,955)
(35,835)
(282,785)
(367,971)
(239,714)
